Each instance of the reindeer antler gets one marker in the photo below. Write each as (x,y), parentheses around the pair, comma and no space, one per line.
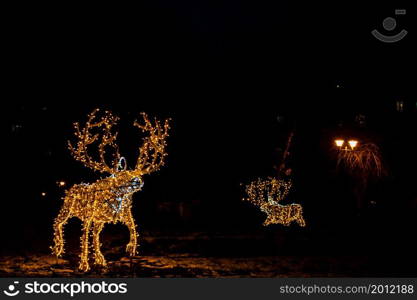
(86,138)
(262,190)
(152,152)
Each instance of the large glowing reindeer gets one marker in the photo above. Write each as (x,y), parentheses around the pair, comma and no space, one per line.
(108,200)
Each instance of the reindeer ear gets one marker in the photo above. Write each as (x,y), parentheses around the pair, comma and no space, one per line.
(122,164)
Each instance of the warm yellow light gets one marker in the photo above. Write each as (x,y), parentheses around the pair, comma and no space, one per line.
(43,194)
(353,144)
(339,143)
(61,183)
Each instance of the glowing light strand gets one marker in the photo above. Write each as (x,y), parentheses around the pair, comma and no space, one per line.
(108,200)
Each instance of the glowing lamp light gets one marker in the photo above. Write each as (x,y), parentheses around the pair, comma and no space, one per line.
(61,183)
(339,143)
(353,144)
(43,194)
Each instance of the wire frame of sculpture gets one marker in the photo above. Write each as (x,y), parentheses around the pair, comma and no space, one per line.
(108,200)
(266,194)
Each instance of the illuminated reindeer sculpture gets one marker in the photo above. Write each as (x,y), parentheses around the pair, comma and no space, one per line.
(108,200)
(266,194)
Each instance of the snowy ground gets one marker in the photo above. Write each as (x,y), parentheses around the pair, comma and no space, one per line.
(180,266)
(191,255)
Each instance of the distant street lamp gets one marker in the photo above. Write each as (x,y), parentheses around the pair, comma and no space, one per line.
(363,161)
(339,143)
(352,144)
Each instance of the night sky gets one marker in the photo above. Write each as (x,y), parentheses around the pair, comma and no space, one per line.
(235,77)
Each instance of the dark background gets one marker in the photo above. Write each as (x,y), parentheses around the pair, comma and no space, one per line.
(234,76)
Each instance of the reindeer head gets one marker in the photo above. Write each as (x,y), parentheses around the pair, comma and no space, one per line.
(99,132)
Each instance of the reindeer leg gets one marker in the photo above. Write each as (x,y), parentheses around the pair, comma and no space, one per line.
(131,247)
(60,221)
(98,256)
(300,219)
(299,216)
(84,266)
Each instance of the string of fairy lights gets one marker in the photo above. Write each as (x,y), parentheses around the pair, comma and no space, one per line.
(108,200)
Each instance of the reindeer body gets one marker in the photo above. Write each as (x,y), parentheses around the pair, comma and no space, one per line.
(108,200)
(115,194)
(283,214)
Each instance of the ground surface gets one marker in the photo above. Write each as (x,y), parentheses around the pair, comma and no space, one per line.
(183,266)
(191,255)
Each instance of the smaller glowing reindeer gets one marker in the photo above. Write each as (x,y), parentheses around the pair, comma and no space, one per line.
(108,200)
(266,194)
